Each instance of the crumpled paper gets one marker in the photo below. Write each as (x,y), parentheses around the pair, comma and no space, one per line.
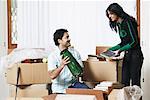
(130,93)
(18,55)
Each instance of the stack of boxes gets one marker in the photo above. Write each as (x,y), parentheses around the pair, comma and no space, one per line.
(98,70)
(31,82)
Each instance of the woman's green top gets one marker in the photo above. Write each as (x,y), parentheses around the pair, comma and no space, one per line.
(128,34)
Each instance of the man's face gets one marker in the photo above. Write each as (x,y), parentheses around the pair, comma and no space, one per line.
(65,41)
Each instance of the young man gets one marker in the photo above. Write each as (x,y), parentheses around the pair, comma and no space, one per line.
(58,70)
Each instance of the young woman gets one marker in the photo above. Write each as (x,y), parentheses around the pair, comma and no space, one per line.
(126,26)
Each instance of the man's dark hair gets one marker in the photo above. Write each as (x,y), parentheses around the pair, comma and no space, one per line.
(58,35)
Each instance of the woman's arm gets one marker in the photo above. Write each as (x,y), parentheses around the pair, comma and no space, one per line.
(132,35)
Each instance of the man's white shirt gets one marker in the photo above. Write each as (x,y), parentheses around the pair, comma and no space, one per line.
(65,78)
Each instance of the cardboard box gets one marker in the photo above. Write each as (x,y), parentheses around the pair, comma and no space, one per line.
(50,97)
(100,49)
(23,98)
(98,94)
(70,97)
(75,97)
(119,71)
(28,91)
(97,71)
(114,94)
(30,73)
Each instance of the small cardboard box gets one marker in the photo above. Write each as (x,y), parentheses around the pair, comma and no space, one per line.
(97,71)
(24,98)
(70,97)
(98,93)
(30,73)
(38,90)
(114,94)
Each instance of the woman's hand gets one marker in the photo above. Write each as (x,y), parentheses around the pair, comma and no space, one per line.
(119,55)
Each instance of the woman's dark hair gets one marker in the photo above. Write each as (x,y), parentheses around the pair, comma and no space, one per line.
(117,10)
(58,35)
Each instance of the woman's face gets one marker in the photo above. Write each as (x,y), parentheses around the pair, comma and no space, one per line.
(112,16)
